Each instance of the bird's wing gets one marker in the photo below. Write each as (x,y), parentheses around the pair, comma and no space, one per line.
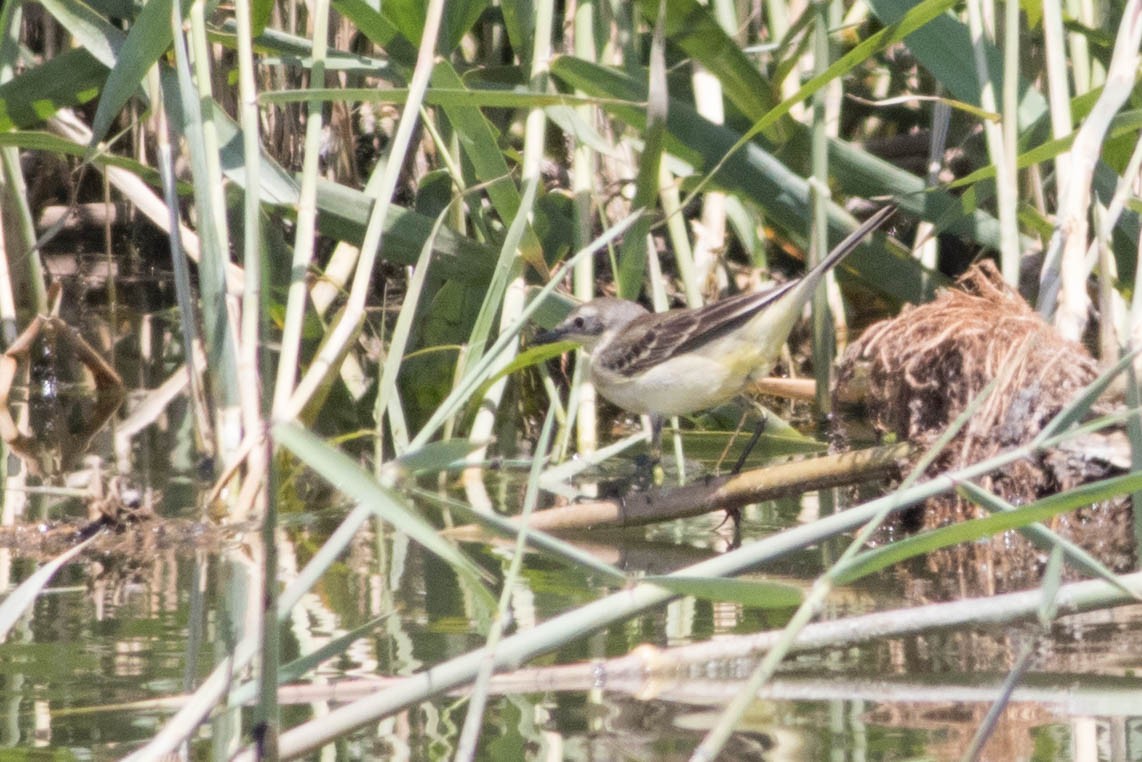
(651,339)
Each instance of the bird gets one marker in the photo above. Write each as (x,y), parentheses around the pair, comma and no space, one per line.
(683,361)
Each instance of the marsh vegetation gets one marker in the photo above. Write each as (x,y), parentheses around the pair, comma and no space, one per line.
(286,475)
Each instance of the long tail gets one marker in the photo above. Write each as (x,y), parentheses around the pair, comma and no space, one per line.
(783,307)
(849,245)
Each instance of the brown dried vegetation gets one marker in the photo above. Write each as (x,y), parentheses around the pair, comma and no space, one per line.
(916,374)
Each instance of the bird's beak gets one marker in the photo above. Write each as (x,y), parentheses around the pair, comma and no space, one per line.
(550,337)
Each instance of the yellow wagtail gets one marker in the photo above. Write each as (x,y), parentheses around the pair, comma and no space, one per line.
(686,360)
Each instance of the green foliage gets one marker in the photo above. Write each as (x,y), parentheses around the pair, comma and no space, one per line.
(753,593)
(455,185)
(149,38)
(408,18)
(70,79)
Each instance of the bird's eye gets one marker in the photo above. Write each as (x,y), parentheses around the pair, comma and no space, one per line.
(578,322)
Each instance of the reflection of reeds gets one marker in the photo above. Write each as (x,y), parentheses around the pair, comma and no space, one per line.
(64,347)
(431,164)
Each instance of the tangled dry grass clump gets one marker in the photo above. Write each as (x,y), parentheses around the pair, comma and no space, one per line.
(915,375)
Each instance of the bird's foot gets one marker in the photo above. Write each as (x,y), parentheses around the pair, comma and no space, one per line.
(645,473)
(648,472)
(735,515)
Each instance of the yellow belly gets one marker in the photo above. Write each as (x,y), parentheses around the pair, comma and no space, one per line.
(681,386)
(702,379)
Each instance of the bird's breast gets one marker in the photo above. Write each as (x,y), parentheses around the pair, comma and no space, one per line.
(679,386)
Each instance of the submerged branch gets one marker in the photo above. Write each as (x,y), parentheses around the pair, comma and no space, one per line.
(724,492)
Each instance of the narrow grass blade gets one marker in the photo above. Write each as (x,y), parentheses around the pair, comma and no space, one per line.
(692,27)
(530,357)
(633,254)
(462,394)
(149,37)
(754,593)
(944,47)
(44,141)
(92,31)
(303,665)
(478,696)
(351,479)
(759,176)
(1042,536)
(72,78)
(1077,409)
(987,727)
(22,598)
(437,456)
(967,531)
(1052,580)
(535,538)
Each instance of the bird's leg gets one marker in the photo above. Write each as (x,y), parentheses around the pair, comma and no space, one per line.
(757,432)
(648,468)
(655,436)
(730,443)
(736,513)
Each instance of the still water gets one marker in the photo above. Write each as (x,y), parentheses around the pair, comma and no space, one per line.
(114,633)
(106,654)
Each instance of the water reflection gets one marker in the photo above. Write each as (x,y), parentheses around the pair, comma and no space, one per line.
(105,656)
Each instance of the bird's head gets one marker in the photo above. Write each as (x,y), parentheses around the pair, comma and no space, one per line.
(594,323)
